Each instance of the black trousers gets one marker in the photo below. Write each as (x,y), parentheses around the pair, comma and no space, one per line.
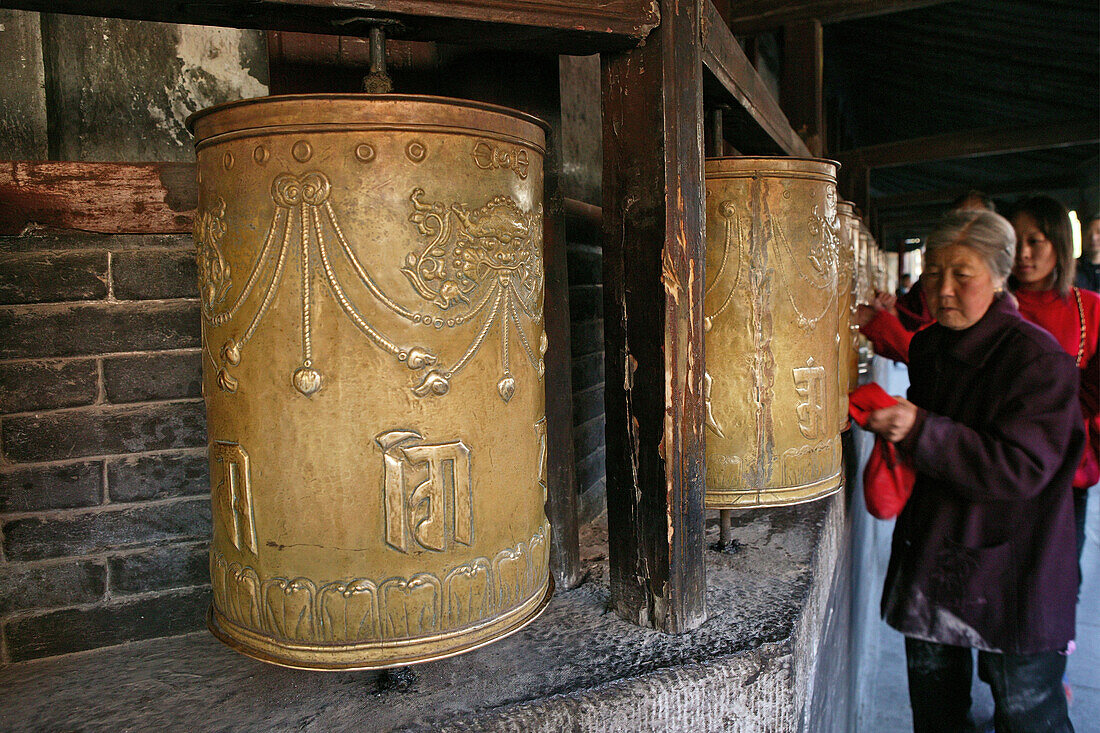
(1027,689)
(1080,510)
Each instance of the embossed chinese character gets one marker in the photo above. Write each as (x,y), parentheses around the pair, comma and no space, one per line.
(436,508)
(233,494)
(809,383)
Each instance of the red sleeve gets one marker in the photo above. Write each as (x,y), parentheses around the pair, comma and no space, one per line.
(1090,370)
(1089,470)
(888,336)
(913,308)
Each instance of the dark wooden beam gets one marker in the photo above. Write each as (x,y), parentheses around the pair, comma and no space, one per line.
(945,196)
(114,198)
(583,218)
(732,72)
(311,62)
(802,85)
(653,323)
(975,143)
(854,184)
(748,17)
(566,26)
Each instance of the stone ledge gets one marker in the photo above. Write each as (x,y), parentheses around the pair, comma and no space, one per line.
(749,667)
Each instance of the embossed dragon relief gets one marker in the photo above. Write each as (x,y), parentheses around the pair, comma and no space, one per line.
(364,609)
(477,265)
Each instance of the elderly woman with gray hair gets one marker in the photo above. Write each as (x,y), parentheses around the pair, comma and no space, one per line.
(983,554)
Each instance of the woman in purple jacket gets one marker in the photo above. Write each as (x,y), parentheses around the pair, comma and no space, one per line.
(983,554)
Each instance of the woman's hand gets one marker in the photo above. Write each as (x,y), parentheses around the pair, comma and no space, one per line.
(885,302)
(893,422)
(864,315)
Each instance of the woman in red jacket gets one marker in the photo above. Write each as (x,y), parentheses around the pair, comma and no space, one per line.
(1042,280)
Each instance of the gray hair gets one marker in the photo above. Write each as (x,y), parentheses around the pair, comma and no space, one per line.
(987,233)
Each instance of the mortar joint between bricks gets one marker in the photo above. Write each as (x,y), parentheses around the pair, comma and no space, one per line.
(119,406)
(193,450)
(108,581)
(118,506)
(122,599)
(101,383)
(110,278)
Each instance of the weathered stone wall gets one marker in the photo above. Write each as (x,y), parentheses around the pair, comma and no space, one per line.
(22,94)
(121,90)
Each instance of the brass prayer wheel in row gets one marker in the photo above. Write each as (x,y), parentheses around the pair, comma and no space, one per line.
(879,277)
(865,289)
(772,324)
(866,265)
(847,287)
(371,281)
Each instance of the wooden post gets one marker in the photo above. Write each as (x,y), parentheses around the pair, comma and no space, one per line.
(653,323)
(801,86)
(901,261)
(855,185)
(561,506)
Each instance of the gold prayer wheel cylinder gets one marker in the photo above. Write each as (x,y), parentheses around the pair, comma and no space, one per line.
(848,331)
(880,278)
(865,290)
(371,282)
(772,325)
(866,287)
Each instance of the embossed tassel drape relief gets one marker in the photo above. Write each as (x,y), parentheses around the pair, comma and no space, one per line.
(371,278)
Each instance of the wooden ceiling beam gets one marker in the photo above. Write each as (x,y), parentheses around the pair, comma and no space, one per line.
(564,26)
(802,85)
(734,73)
(975,143)
(749,17)
(944,196)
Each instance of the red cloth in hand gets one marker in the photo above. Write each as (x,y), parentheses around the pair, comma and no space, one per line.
(888,478)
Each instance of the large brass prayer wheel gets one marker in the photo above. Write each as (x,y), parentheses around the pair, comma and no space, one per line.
(847,285)
(772,324)
(371,281)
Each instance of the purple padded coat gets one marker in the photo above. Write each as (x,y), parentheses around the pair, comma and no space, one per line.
(984,552)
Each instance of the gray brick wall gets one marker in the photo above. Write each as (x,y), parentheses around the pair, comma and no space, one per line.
(104,492)
(586,311)
(582,146)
